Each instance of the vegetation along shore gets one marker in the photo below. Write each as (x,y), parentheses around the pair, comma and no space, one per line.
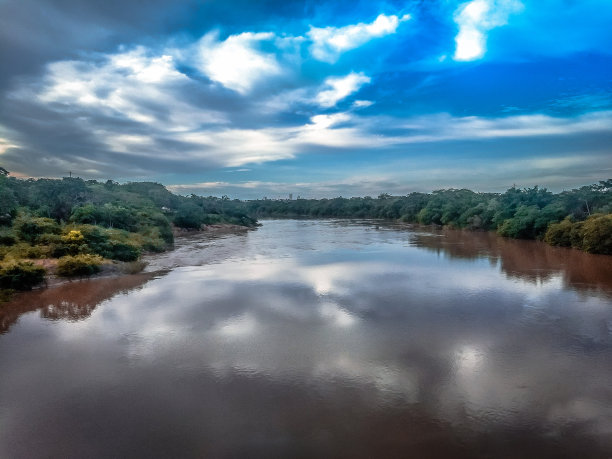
(72,227)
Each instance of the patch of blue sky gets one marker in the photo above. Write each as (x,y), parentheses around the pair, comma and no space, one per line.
(311,92)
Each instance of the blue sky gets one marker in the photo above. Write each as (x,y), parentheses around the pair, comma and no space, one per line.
(313,98)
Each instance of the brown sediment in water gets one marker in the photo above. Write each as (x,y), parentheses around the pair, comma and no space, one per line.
(534,261)
(321,339)
(220,228)
(109,268)
(71,300)
(114,268)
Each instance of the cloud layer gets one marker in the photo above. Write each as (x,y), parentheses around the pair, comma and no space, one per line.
(310,96)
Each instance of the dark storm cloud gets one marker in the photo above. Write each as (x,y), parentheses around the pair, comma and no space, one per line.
(33,33)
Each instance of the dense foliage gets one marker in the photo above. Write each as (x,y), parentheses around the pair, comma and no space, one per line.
(79,265)
(71,217)
(592,235)
(518,213)
(20,275)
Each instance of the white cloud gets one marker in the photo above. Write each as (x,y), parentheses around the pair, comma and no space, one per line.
(147,70)
(196,186)
(325,121)
(339,88)
(130,85)
(145,89)
(362,103)
(134,102)
(441,127)
(236,63)
(345,130)
(91,83)
(329,42)
(474,19)
(326,95)
(237,327)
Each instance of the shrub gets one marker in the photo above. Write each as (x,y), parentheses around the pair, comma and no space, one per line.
(79,265)
(20,275)
(47,239)
(597,234)
(122,251)
(95,239)
(91,234)
(189,215)
(153,244)
(163,225)
(31,229)
(560,234)
(150,239)
(593,235)
(59,250)
(24,250)
(73,237)
(7,237)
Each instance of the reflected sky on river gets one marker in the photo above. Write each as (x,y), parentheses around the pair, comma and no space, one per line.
(321,338)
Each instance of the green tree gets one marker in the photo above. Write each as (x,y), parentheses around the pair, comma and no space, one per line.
(597,234)
(189,215)
(31,229)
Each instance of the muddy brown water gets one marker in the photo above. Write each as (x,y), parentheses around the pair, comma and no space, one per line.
(318,339)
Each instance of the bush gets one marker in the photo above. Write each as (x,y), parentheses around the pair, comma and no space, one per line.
(189,215)
(47,239)
(79,265)
(20,275)
(153,244)
(24,250)
(122,251)
(59,250)
(7,237)
(560,234)
(593,235)
(73,237)
(162,224)
(597,234)
(31,229)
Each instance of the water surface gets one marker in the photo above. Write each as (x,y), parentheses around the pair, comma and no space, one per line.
(318,339)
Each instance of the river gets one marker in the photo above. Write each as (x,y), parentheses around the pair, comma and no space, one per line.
(325,338)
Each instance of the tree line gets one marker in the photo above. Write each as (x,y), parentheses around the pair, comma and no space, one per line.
(83,224)
(580,218)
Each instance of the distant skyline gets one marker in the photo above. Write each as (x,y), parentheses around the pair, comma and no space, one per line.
(314,98)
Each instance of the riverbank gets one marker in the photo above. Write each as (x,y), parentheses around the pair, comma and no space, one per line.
(211,229)
(108,268)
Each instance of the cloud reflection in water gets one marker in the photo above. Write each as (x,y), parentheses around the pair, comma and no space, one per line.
(375,326)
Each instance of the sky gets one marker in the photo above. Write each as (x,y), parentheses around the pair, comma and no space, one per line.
(310,98)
